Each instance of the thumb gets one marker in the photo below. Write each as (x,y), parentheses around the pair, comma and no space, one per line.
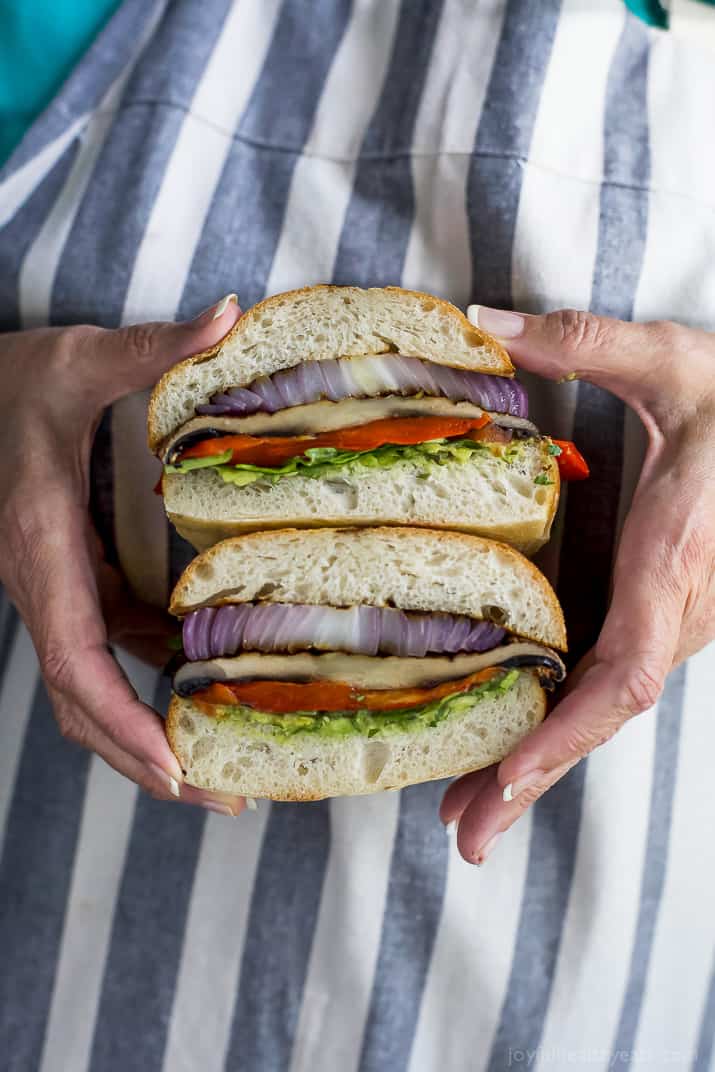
(632,361)
(116,363)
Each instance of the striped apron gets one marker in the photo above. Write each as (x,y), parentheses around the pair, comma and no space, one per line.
(521,154)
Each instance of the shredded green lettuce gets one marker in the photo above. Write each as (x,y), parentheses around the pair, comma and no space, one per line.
(321,461)
(199,463)
(365,723)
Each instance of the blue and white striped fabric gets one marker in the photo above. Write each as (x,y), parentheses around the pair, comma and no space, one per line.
(529,155)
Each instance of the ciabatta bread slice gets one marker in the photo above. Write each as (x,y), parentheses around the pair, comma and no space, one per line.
(217,755)
(412,569)
(314,324)
(484,495)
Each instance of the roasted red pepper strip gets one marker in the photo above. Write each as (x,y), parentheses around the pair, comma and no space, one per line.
(287,697)
(276,450)
(572,464)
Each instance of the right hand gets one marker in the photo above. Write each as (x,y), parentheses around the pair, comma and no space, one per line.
(662,609)
(54,385)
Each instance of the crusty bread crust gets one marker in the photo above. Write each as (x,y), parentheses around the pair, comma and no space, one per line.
(409,568)
(527,538)
(258,343)
(223,758)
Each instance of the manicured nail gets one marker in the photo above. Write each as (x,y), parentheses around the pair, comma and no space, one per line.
(486,849)
(223,305)
(513,789)
(251,804)
(168,779)
(221,809)
(568,378)
(450,828)
(496,321)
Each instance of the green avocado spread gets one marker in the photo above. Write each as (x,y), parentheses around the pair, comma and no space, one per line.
(365,723)
(324,461)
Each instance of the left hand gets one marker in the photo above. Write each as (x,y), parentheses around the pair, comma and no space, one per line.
(663,605)
(55,385)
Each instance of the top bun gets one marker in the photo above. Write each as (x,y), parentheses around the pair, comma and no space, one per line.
(412,569)
(315,324)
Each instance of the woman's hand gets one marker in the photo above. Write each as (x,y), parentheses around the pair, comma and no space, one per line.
(663,604)
(54,385)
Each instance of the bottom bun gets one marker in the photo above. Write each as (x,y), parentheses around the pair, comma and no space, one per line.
(217,754)
(484,496)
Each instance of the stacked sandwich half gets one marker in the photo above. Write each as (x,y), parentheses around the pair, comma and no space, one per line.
(363,630)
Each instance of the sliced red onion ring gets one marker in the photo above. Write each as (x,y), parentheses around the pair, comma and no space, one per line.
(228,403)
(215,631)
(513,389)
(258,630)
(197,633)
(369,377)
(245,394)
(269,394)
(331,373)
(415,376)
(218,411)
(369,630)
(238,400)
(394,633)
(227,629)
(457,636)
(456,384)
(304,380)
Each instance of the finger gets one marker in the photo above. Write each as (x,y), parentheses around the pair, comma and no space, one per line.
(77,727)
(487,816)
(55,589)
(94,702)
(224,803)
(144,631)
(634,653)
(112,364)
(622,677)
(81,731)
(93,681)
(475,804)
(463,790)
(633,361)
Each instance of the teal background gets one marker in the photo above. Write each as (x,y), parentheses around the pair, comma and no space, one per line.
(40,42)
(652,12)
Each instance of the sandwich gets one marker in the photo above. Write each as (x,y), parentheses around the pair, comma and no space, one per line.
(336,405)
(327,662)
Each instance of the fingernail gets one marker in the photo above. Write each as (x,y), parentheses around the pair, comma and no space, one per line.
(251,804)
(450,828)
(513,789)
(215,311)
(568,378)
(223,305)
(486,849)
(221,809)
(168,779)
(496,321)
